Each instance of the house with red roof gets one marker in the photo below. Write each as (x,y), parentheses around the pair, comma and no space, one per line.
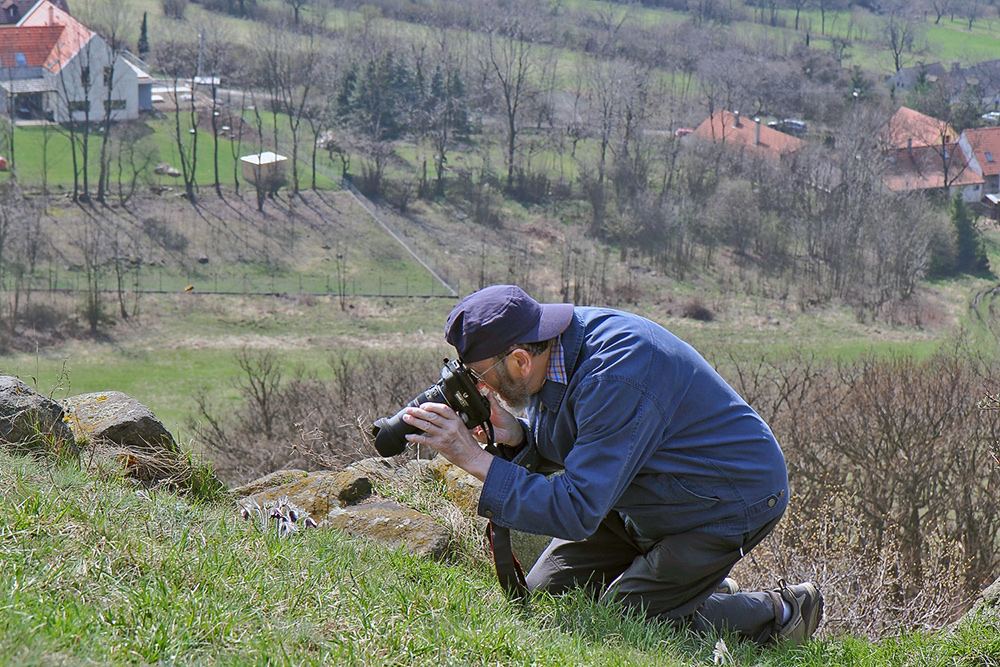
(981,147)
(12,11)
(932,168)
(748,136)
(909,128)
(53,67)
(925,153)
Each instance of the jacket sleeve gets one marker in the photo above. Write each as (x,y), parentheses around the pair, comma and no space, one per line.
(617,429)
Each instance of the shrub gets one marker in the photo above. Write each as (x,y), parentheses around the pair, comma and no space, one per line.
(303,422)
(696,310)
(891,500)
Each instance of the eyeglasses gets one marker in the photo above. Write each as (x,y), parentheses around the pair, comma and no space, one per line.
(479,376)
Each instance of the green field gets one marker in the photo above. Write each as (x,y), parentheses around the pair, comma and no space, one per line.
(43,154)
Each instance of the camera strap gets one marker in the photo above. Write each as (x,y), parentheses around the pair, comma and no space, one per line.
(509,571)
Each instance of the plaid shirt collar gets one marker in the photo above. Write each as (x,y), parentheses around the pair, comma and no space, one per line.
(556,370)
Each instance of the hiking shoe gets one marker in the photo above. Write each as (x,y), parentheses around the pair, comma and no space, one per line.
(807,610)
(728,587)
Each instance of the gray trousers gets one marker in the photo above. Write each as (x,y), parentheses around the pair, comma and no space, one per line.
(674,580)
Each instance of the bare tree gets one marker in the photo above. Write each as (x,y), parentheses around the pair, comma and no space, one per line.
(21,240)
(180,62)
(972,10)
(297,6)
(940,8)
(899,29)
(513,59)
(611,83)
(111,20)
(135,155)
(76,93)
(291,68)
(217,61)
(825,7)
(798,6)
(446,106)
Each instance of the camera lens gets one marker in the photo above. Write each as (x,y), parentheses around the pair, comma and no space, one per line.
(390,433)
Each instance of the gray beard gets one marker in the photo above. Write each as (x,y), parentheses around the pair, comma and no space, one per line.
(514,395)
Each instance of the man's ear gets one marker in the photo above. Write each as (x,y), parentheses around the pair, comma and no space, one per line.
(523,362)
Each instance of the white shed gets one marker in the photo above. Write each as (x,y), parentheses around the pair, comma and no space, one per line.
(266,167)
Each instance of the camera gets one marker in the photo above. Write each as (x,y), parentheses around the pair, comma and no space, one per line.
(456,388)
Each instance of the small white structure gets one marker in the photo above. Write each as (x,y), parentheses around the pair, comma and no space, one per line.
(264,168)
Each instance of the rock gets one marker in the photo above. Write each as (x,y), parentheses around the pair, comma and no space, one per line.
(991,596)
(460,487)
(30,420)
(378,469)
(395,526)
(113,417)
(464,490)
(318,493)
(331,498)
(987,606)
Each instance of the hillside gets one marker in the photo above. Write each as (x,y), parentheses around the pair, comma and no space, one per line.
(101,571)
(268,331)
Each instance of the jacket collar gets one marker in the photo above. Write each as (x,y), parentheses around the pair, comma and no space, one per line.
(551,393)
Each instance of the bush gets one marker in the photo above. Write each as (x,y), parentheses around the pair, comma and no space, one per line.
(891,498)
(159,232)
(303,422)
(696,310)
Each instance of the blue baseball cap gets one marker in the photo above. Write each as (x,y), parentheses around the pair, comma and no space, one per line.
(488,322)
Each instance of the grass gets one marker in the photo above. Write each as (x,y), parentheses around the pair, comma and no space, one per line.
(41,155)
(97,572)
(184,343)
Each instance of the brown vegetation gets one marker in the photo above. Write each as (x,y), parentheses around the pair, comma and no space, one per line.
(889,461)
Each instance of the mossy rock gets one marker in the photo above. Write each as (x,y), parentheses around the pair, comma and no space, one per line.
(30,421)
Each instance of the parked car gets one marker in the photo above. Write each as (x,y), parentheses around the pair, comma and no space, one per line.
(682,131)
(789,126)
(992,117)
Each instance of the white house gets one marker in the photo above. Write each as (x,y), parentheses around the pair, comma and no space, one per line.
(53,67)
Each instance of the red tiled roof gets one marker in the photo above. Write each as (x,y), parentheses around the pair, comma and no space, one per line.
(22,7)
(36,43)
(34,34)
(922,168)
(909,128)
(985,144)
(771,143)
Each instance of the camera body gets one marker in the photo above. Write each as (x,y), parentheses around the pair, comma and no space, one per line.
(456,389)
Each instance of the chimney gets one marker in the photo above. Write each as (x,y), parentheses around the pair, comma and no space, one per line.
(909,144)
(736,119)
(756,131)
(52,14)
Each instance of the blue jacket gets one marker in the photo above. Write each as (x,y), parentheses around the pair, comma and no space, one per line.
(644,427)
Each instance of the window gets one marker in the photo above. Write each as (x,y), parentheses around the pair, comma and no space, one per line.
(116,105)
(989,156)
(79,105)
(20,60)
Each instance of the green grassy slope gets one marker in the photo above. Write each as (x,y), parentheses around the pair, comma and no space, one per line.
(98,572)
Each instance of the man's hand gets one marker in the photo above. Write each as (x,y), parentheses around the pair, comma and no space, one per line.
(445,431)
(507,429)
